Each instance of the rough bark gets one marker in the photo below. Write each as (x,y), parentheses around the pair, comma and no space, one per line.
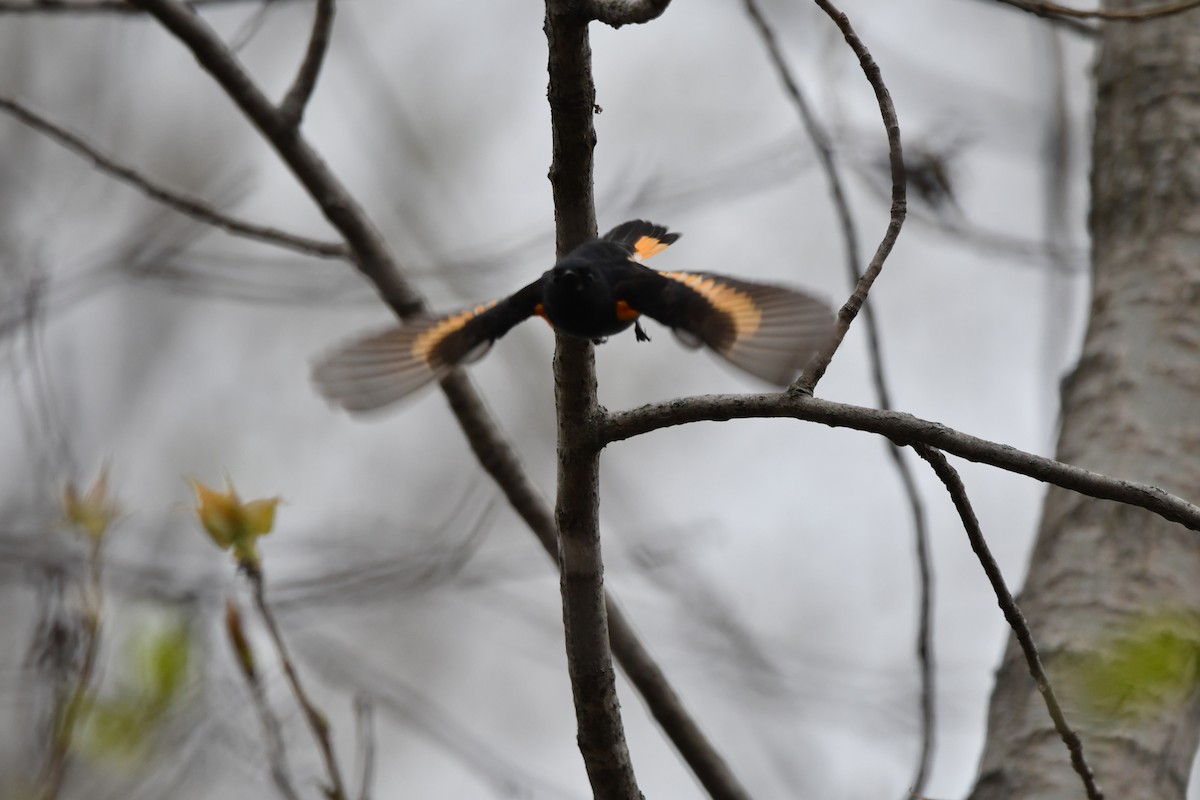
(601,736)
(1130,408)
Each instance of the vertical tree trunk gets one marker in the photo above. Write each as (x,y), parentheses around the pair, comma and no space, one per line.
(1130,409)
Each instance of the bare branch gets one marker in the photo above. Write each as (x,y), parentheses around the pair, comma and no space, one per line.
(1012,613)
(824,148)
(179,201)
(812,374)
(1072,25)
(903,429)
(297,97)
(1043,8)
(825,153)
(626,12)
(600,731)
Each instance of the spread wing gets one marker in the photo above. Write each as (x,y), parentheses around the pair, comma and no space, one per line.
(767,331)
(644,239)
(382,368)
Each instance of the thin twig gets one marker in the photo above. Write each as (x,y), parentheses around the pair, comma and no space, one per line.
(820,139)
(1043,8)
(905,429)
(82,7)
(179,201)
(899,207)
(1073,25)
(316,720)
(272,730)
(364,717)
(1012,612)
(67,717)
(926,660)
(273,733)
(828,161)
(297,97)
(626,12)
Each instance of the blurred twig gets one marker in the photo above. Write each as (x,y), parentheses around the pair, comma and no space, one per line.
(338,664)
(1016,620)
(364,715)
(1044,8)
(297,97)
(825,153)
(181,202)
(1068,23)
(68,714)
(79,7)
(276,751)
(316,720)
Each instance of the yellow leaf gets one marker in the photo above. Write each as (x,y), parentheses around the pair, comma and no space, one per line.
(232,524)
(93,512)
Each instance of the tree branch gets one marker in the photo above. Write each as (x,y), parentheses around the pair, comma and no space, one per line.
(190,206)
(903,429)
(297,97)
(601,734)
(626,12)
(1012,613)
(812,374)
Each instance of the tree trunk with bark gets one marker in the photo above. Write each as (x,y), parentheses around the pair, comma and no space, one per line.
(1131,409)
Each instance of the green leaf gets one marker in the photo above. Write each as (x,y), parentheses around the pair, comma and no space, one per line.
(165,657)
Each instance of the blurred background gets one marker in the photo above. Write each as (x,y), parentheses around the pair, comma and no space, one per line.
(767,564)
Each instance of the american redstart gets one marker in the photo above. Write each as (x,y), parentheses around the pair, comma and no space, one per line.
(598,289)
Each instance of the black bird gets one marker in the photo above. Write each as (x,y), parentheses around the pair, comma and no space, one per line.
(598,289)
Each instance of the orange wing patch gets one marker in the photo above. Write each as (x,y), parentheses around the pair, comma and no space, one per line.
(647,246)
(626,312)
(737,305)
(424,344)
